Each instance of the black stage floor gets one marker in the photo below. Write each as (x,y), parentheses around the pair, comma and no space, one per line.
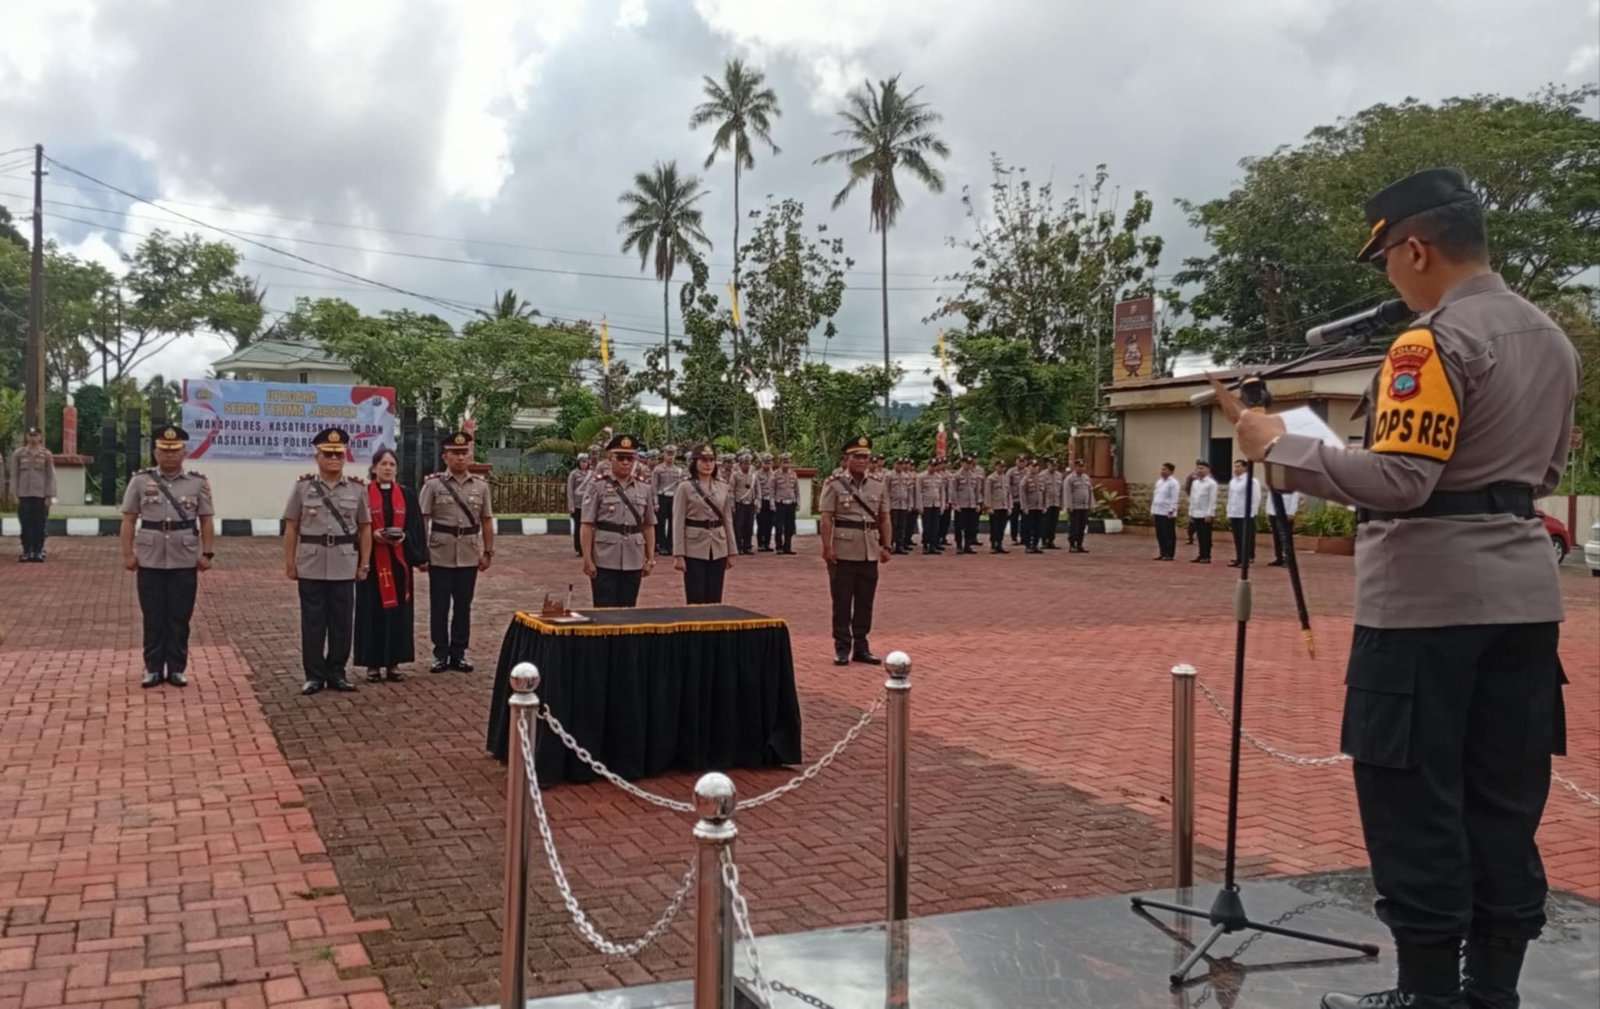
(1100,954)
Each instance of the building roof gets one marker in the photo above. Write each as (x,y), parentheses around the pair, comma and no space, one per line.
(280,354)
(1326,366)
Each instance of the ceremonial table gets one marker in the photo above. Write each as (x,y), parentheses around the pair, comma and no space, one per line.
(678,688)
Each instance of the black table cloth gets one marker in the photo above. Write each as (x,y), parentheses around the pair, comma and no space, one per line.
(681,688)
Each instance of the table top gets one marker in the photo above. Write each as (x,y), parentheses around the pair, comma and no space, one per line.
(654,620)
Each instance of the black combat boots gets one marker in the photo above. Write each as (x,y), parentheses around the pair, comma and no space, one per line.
(1493,967)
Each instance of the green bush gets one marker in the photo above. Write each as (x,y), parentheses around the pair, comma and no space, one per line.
(1329,520)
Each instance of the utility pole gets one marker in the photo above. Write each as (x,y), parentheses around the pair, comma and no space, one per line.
(33,382)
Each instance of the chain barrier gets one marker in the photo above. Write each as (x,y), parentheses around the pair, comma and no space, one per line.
(677,806)
(1253,740)
(580,920)
(741,916)
(1575,790)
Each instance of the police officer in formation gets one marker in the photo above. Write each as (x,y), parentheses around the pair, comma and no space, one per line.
(33,483)
(577,484)
(703,519)
(930,501)
(764,505)
(854,529)
(619,528)
(966,497)
(456,505)
(1032,508)
(1014,475)
(743,482)
(1453,691)
(1079,493)
(900,486)
(997,498)
(664,480)
(167,535)
(1054,488)
(327,545)
(785,502)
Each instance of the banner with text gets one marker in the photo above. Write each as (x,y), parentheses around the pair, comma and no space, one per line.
(277,420)
(1134,356)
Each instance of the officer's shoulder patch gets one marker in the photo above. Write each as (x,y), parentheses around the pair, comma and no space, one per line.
(358,481)
(434,476)
(195,472)
(307,476)
(148,471)
(1415,411)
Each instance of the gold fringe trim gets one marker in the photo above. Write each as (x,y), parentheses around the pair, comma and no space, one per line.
(539,624)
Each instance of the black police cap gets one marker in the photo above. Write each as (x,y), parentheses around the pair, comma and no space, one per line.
(1425,190)
(331,439)
(623,443)
(458,440)
(859,445)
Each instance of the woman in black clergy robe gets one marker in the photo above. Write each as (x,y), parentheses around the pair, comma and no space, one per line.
(384,599)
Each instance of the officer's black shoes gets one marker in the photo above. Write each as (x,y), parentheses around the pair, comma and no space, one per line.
(177,678)
(394,675)
(343,686)
(1275,564)
(998,550)
(152,678)
(841,656)
(1492,969)
(312,687)
(1395,998)
(374,676)
(1051,546)
(461,665)
(865,656)
(439,665)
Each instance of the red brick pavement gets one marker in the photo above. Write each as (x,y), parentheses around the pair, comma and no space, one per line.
(1041,718)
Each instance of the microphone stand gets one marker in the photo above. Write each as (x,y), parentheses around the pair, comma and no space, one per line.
(1227,913)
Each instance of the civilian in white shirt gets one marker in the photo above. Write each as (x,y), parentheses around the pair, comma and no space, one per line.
(1282,525)
(1164,509)
(1242,521)
(1202,509)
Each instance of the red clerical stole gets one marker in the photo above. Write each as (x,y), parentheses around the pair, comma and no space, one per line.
(389,560)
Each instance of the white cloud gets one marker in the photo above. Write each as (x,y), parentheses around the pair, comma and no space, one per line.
(633,14)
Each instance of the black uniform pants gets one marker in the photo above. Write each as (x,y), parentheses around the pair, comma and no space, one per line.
(664,525)
(1077,526)
(997,528)
(1016,523)
(166,598)
(967,528)
(611,587)
(327,609)
(1031,520)
(1244,538)
(577,525)
(1202,533)
(743,524)
(31,514)
(1282,535)
(854,585)
(1052,519)
(702,580)
(944,526)
(1166,535)
(764,517)
(930,530)
(1451,730)
(899,528)
(450,592)
(785,521)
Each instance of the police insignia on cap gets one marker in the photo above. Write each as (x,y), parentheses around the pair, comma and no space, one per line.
(627,443)
(335,437)
(169,434)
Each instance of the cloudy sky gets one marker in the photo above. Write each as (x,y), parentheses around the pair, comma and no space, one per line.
(502,131)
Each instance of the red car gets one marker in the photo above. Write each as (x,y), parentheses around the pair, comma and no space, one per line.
(1560,540)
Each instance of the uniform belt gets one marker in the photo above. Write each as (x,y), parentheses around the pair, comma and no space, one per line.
(168,525)
(326,539)
(616,527)
(850,523)
(1496,499)
(703,523)
(440,527)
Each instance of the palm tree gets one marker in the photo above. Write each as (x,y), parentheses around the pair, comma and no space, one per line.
(885,127)
(662,219)
(508,306)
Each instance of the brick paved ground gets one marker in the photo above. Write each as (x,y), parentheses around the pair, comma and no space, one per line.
(1041,714)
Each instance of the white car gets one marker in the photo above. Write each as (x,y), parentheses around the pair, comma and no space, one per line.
(1591,550)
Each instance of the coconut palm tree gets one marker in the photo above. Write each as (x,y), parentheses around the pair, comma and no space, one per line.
(662,221)
(885,127)
(508,306)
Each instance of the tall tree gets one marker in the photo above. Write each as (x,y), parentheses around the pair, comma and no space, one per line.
(886,128)
(663,222)
(795,284)
(1284,238)
(739,104)
(508,305)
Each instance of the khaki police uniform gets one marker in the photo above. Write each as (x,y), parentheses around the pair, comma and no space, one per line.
(1453,702)
(764,506)
(620,552)
(786,502)
(703,523)
(1014,477)
(33,483)
(860,525)
(456,526)
(743,482)
(1032,511)
(1079,492)
(166,547)
(577,483)
(326,556)
(929,492)
(1054,493)
(966,496)
(997,498)
(664,480)
(901,490)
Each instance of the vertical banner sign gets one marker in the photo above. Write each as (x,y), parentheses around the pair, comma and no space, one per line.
(276,420)
(1134,353)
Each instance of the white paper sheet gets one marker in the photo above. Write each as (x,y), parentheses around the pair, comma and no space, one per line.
(1301,420)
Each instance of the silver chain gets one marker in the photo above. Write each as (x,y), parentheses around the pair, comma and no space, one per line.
(741,917)
(683,807)
(579,919)
(1271,751)
(1575,790)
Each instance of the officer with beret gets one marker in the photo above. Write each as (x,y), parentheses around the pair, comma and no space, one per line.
(664,480)
(456,505)
(167,533)
(855,534)
(327,545)
(619,528)
(1453,691)
(33,484)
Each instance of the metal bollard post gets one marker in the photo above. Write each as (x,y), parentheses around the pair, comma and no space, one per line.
(1183,775)
(897,829)
(514,936)
(714,799)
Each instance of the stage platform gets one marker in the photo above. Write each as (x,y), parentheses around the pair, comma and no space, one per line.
(1100,954)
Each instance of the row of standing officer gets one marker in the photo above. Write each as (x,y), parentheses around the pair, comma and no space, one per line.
(1030,500)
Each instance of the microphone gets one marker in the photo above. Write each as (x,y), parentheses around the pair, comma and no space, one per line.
(1358,325)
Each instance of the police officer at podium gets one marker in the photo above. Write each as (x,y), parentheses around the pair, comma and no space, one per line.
(460,515)
(1453,701)
(619,528)
(167,533)
(327,545)
(855,538)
